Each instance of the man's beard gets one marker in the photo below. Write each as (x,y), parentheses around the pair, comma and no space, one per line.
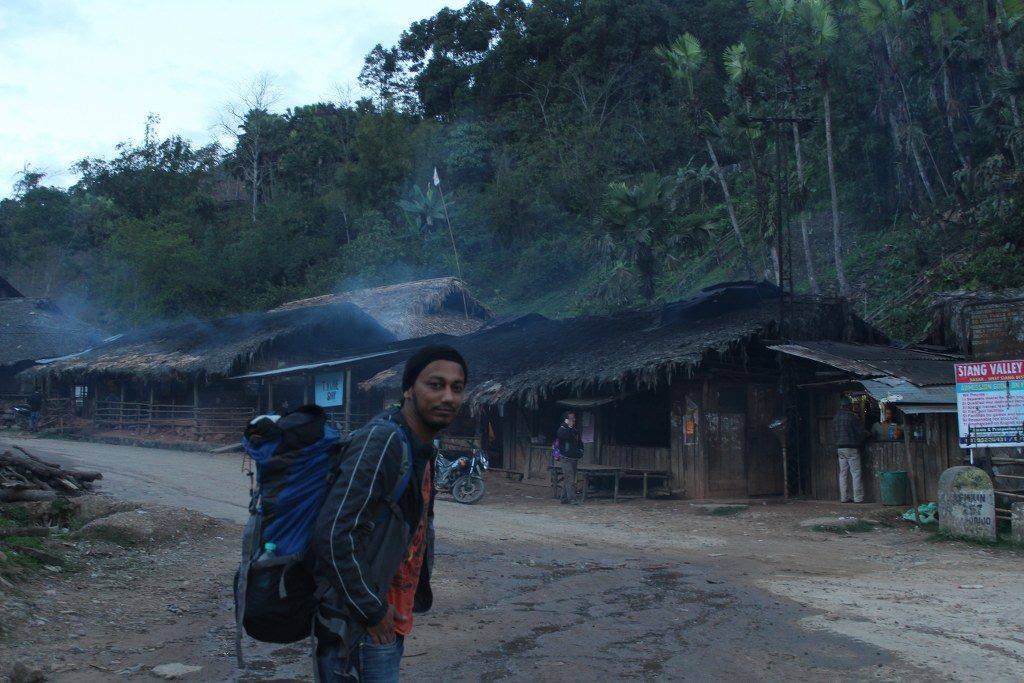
(428,419)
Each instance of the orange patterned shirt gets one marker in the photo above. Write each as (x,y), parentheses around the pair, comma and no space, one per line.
(402,593)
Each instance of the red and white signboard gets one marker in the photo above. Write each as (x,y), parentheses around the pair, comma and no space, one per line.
(990,403)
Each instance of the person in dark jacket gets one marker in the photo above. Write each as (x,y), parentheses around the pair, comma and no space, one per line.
(570,445)
(35,410)
(375,552)
(849,433)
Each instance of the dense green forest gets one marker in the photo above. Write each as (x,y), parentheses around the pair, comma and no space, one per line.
(592,154)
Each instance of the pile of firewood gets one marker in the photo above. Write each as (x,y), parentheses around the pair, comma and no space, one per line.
(25,477)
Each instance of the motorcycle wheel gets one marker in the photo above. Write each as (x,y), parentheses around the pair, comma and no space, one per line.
(468,489)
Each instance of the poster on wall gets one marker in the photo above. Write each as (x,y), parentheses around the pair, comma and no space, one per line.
(330,389)
(990,403)
(587,427)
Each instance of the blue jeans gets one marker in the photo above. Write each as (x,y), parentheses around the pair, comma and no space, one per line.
(373,663)
(33,420)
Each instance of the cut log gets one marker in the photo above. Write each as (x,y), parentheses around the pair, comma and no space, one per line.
(84,475)
(36,458)
(6,531)
(8,496)
(26,463)
(21,469)
(66,483)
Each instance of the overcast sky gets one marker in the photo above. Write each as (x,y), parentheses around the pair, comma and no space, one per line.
(79,76)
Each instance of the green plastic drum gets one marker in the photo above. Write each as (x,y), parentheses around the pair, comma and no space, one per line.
(892,487)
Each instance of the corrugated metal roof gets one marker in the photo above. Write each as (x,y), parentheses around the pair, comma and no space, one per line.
(903,394)
(866,361)
(299,369)
(922,409)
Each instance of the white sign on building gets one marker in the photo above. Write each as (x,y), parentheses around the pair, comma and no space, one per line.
(330,389)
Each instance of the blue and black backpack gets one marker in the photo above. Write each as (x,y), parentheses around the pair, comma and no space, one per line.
(296,457)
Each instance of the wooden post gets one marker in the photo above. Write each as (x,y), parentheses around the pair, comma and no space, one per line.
(910,470)
(195,404)
(305,389)
(270,396)
(347,398)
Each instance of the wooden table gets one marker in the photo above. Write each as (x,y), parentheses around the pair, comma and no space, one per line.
(616,474)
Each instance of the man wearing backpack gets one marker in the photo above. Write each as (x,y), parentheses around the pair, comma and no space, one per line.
(570,447)
(374,535)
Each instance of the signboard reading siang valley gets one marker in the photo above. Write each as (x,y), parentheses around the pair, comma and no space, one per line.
(990,403)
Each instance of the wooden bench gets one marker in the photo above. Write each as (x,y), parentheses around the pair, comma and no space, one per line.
(650,479)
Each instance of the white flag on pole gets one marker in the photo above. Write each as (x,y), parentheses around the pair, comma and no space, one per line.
(437,178)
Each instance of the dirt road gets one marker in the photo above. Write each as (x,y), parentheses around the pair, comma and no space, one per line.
(530,590)
(211,484)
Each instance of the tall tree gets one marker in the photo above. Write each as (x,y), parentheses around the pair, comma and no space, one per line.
(684,58)
(247,120)
(778,19)
(823,34)
(641,223)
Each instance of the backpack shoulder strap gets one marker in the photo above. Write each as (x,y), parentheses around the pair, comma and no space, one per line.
(407,466)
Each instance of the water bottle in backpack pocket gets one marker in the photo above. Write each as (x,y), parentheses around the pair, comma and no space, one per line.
(280,599)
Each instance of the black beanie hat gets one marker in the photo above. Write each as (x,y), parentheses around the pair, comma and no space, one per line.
(427,355)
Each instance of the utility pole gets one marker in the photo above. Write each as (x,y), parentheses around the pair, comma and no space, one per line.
(451,234)
(784,248)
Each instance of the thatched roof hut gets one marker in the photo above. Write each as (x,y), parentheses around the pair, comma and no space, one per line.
(413,309)
(223,346)
(33,328)
(528,359)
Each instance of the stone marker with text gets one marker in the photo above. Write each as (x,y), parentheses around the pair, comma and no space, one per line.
(967,503)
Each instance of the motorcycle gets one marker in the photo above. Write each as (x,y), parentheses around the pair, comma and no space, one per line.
(462,476)
(17,417)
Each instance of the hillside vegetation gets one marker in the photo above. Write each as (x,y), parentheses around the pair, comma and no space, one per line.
(592,154)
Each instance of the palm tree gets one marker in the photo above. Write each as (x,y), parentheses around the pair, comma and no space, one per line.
(944,26)
(1005,20)
(822,27)
(884,16)
(422,209)
(743,75)
(684,58)
(639,221)
(781,15)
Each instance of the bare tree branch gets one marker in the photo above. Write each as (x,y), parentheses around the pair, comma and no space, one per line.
(244,121)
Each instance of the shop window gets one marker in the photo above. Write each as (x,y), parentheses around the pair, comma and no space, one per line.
(81,394)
